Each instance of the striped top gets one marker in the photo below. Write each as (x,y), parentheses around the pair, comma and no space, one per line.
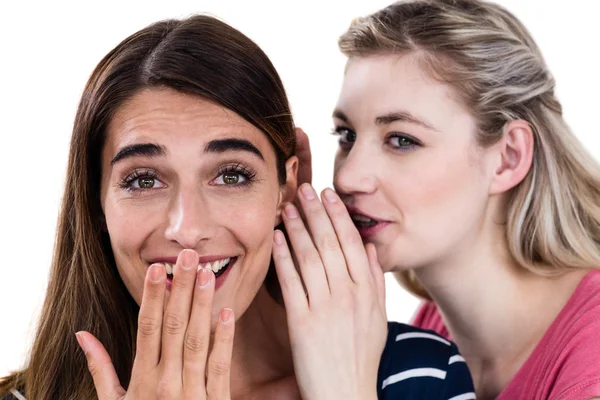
(14,395)
(418,364)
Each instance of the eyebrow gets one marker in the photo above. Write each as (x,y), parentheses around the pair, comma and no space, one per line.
(215,146)
(389,118)
(340,115)
(227,145)
(139,150)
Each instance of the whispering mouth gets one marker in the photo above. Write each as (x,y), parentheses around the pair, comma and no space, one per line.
(362,221)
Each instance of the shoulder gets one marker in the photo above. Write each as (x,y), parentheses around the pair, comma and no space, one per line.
(577,348)
(419,363)
(566,362)
(405,337)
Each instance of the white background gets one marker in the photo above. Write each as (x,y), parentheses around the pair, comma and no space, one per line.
(48,50)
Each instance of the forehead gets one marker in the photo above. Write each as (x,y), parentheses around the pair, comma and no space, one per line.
(380,84)
(176,118)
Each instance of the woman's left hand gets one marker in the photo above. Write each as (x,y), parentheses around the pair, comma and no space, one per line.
(338,326)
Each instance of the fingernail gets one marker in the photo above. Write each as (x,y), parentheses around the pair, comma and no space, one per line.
(330,195)
(156,273)
(290,211)
(81,341)
(226,314)
(308,192)
(278,238)
(188,259)
(204,276)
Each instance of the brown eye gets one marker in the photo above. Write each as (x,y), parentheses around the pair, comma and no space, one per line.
(146,183)
(231,178)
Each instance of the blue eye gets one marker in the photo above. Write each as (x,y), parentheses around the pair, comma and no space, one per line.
(402,142)
(346,136)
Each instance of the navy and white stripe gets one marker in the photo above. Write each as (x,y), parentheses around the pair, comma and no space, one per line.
(17,394)
(14,394)
(415,365)
(419,364)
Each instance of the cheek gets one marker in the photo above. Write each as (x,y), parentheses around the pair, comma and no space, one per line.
(252,220)
(439,191)
(129,222)
(128,226)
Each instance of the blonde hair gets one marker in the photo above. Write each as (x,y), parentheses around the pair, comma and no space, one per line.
(498,72)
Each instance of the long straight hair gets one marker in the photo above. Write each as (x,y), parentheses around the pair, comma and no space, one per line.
(201,56)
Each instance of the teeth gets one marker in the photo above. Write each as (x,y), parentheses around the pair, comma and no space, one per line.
(361,218)
(169,268)
(215,266)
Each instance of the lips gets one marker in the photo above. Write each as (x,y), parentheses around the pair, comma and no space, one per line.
(361,220)
(366,224)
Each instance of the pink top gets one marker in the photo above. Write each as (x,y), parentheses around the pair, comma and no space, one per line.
(565,365)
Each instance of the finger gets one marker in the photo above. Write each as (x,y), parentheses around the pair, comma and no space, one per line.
(150,318)
(325,239)
(377,273)
(101,367)
(348,236)
(197,336)
(292,290)
(219,362)
(309,260)
(177,312)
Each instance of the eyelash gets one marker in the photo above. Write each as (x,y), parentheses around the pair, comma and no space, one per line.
(237,169)
(339,131)
(413,143)
(128,182)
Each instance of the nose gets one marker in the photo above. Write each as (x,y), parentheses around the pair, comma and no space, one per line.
(355,171)
(188,219)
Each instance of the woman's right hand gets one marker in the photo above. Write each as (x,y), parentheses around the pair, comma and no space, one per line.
(172,360)
(334,299)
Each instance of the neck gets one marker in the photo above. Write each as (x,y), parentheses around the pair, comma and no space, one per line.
(495,310)
(261,352)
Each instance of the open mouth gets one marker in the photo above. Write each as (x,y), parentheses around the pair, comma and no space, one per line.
(218,267)
(362,221)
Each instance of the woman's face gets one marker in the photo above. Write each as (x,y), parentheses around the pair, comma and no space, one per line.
(180,172)
(408,166)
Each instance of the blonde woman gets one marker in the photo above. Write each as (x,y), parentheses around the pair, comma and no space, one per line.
(455,162)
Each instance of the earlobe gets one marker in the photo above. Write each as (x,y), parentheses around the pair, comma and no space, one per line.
(516,156)
(288,190)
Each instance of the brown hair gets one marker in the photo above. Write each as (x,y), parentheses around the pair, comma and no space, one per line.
(498,72)
(199,55)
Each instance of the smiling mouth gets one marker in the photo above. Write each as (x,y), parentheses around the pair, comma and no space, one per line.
(218,266)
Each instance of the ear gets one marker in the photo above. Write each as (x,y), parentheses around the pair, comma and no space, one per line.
(288,190)
(516,156)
